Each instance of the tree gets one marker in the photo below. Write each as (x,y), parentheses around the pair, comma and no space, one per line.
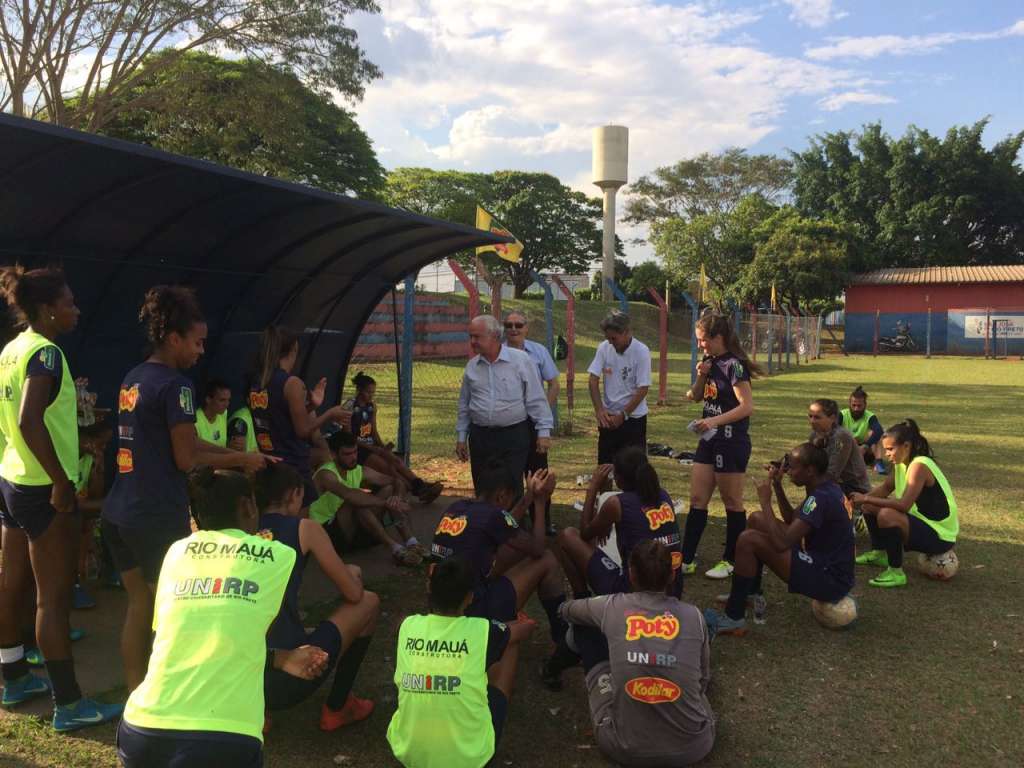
(647,274)
(706,185)
(45,43)
(918,200)
(252,116)
(722,242)
(557,226)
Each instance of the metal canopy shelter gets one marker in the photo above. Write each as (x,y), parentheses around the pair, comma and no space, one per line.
(120,218)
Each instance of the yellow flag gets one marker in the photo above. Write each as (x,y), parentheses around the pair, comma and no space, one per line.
(775,299)
(703,283)
(507,251)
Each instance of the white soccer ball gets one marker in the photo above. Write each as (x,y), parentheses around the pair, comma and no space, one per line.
(941,567)
(838,615)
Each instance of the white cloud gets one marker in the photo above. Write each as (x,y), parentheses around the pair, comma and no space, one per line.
(896,45)
(813,13)
(839,100)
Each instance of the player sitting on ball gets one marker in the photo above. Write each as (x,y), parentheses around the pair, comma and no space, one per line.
(811,548)
(921,516)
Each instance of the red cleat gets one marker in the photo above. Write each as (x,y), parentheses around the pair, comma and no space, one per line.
(355,709)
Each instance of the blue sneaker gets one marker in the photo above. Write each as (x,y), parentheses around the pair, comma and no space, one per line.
(23,689)
(35,656)
(84,713)
(76,634)
(81,599)
(720,624)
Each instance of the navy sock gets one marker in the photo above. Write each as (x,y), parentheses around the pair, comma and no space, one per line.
(736,607)
(893,545)
(873,534)
(735,524)
(348,667)
(558,627)
(62,678)
(695,523)
(755,587)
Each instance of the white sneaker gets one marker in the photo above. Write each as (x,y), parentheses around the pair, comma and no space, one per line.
(722,570)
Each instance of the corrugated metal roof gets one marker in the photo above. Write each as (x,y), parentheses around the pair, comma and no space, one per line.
(1012,273)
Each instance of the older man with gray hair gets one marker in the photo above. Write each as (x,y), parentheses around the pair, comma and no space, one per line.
(501,395)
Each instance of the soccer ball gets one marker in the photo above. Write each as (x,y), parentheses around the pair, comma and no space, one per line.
(838,615)
(941,567)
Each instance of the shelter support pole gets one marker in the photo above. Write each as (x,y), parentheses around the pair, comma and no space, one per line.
(614,288)
(471,290)
(405,369)
(817,338)
(570,358)
(878,330)
(928,335)
(549,324)
(662,344)
(789,331)
(695,310)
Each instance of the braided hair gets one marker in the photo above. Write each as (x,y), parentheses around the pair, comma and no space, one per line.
(168,309)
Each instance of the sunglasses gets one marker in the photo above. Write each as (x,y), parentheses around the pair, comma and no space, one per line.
(517,326)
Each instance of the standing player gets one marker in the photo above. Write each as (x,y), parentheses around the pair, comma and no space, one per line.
(284,411)
(620,376)
(811,548)
(147,508)
(517,326)
(41,526)
(723,383)
(373,453)
(647,658)
(921,516)
(866,429)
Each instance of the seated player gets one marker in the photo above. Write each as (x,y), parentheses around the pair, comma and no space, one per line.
(373,452)
(344,506)
(920,516)
(866,428)
(642,511)
(508,563)
(647,658)
(845,463)
(454,675)
(811,548)
(212,418)
(344,635)
(241,431)
(201,702)
(90,490)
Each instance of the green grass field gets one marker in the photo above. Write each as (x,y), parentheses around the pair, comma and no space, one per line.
(930,675)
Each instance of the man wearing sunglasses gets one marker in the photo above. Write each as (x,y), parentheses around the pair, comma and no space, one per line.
(517,328)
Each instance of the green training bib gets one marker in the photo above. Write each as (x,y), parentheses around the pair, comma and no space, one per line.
(947,528)
(215,431)
(327,505)
(245,415)
(443,720)
(19,464)
(859,428)
(219,592)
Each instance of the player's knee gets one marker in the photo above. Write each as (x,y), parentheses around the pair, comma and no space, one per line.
(355,570)
(370,604)
(568,536)
(888,517)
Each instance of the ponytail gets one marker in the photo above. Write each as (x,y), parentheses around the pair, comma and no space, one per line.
(651,564)
(168,309)
(214,496)
(813,455)
(361,381)
(275,344)
(859,394)
(637,475)
(28,291)
(714,324)
(907,432)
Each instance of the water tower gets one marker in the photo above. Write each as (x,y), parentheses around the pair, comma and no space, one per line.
(610,164)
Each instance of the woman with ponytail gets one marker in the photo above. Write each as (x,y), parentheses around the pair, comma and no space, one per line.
(201,703)
(41,525)
(148,508)
(723,450)
(284,410)
(914,509)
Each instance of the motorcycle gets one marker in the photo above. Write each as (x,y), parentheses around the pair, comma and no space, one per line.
(901,342)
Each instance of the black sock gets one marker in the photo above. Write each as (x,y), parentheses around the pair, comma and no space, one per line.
(345,676)
(736,607)
(893,545)
(695,522)
(755,587)
(558,627)
(562,659)
(735,524)
(417,486)
(62,678)
(873,534)
(14,670)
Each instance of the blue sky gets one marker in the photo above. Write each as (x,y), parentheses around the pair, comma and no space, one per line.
(492,84)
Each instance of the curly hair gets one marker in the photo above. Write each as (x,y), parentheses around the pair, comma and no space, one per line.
(168,309)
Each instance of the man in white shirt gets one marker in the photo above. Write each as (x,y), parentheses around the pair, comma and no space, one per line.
(500,402)
(622,368)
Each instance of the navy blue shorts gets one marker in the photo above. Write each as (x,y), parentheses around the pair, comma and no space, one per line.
(281,690)
(149,747)
(809,576)
(726,455)
(143,547)
(923,538)
(27,507)
(604,575)
(495,599)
